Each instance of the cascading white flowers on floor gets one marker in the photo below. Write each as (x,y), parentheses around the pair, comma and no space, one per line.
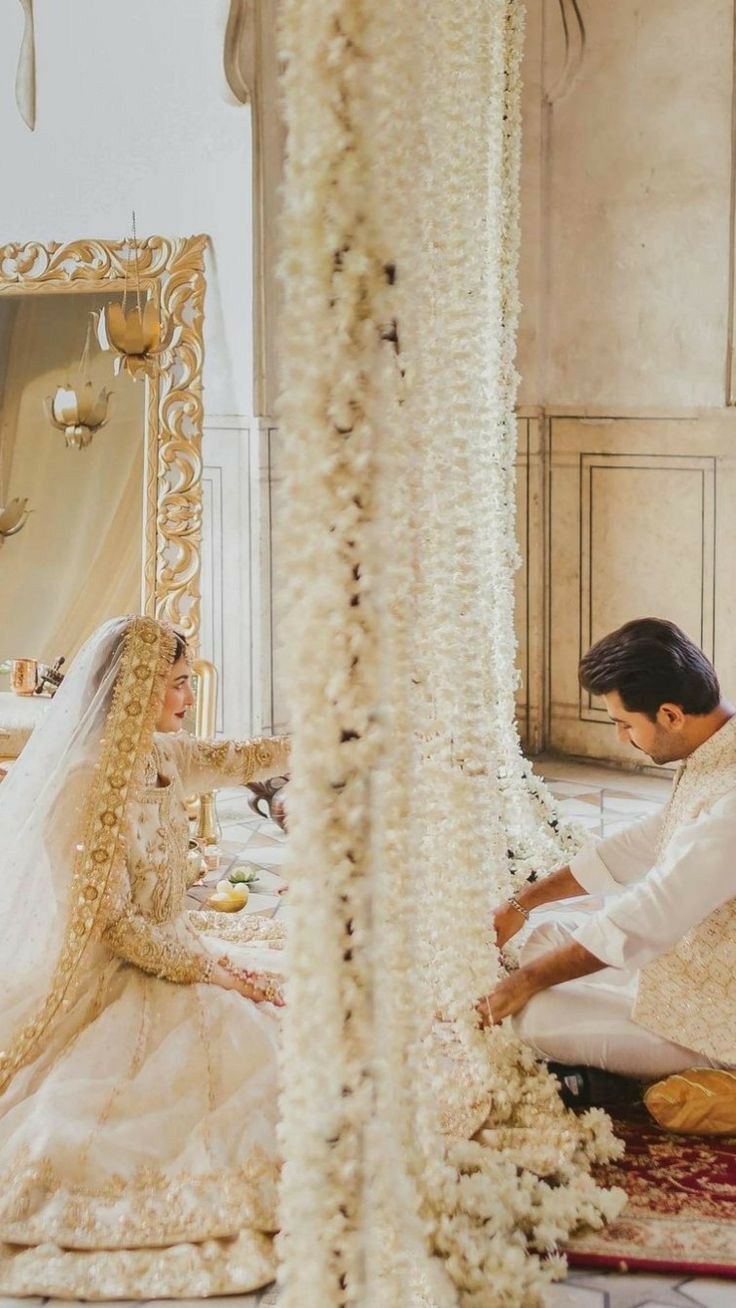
(424,1162)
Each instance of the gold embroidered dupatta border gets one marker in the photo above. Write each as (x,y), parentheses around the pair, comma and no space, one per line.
(148,652)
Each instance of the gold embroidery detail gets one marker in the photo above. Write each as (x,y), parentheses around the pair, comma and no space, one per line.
(217,1267)
(158,1207)
(156,949)
(240,761)
(240,932)
(688,994)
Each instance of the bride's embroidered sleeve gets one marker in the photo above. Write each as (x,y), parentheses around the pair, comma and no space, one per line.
(209,764)
(154,947)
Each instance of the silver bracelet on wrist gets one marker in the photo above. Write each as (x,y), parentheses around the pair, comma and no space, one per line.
(513,901)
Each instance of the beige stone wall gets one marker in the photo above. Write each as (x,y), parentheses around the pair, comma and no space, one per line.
(625,348)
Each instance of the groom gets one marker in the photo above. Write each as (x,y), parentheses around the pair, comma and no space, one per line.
(639,976)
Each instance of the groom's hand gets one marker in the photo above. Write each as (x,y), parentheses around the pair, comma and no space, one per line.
(509,997)
(567,963)
(507,920)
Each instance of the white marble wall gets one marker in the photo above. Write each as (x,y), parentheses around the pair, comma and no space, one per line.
(236,632)
(625,347)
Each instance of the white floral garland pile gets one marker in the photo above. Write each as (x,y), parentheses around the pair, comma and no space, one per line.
(412,808)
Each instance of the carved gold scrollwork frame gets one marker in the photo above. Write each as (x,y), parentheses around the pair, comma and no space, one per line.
(172,272)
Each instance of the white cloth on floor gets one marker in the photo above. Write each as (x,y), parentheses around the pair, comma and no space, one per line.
(588,1021)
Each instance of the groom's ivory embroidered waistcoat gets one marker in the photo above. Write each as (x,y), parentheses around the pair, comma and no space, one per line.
(688,994)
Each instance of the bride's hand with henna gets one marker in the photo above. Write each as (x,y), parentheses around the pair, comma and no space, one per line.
(248,984)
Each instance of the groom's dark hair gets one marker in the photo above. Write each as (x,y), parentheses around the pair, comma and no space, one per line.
(650,662)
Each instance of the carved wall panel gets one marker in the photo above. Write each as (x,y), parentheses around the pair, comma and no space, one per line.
(639,526)
(530,582)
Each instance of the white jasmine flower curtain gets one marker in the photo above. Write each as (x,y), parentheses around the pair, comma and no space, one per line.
(412,808)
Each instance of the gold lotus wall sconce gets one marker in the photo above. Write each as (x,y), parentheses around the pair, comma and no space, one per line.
(13,518)
(135,333)
(15,513)
(79,410)
(79,413)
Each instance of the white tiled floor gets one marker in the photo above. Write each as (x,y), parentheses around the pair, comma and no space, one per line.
(603,802)
(584,1290)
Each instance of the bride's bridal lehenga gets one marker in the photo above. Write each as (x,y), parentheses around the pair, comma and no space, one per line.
(138,1090)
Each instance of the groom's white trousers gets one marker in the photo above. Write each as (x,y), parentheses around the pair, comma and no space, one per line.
(589,1021)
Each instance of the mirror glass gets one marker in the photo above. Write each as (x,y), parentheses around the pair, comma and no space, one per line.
(78,559)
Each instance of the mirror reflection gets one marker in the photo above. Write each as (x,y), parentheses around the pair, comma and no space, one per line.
(76,454)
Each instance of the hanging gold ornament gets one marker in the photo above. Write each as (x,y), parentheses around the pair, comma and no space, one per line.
(79,410)
(15,513)
(135,334)
(13,518)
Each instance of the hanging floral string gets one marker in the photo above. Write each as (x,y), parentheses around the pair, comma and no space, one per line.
(329,272)
(425,1163)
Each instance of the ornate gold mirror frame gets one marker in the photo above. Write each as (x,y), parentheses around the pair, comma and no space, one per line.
(171,271)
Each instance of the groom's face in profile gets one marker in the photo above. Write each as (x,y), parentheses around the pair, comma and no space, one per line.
(661,739)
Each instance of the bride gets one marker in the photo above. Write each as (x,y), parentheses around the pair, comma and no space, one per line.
(138,1091)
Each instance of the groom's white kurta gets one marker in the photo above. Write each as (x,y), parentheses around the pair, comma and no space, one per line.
(647,899)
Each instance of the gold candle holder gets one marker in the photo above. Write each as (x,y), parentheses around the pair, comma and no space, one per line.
(209,830)
(24,676)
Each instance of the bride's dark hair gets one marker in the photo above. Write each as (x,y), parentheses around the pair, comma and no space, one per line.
(180,651)
(180,647)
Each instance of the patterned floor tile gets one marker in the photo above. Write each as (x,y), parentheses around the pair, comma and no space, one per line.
(268,855)
(230,810)
(579,803)
(258,903)
(654,1303)
(632,792)
(710,1292)
(574,1296)
(634,805)
(635,1290)
(234,792)
(240,831)
(590,772)
(570,789)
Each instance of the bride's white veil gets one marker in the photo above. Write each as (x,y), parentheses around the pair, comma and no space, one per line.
(62,808)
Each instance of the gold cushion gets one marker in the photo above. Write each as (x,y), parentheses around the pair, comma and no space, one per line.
(701,1101)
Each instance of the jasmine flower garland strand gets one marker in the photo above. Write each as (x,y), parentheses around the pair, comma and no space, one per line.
(401,239)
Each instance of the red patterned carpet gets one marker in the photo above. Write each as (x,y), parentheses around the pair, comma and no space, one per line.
(681,1214)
